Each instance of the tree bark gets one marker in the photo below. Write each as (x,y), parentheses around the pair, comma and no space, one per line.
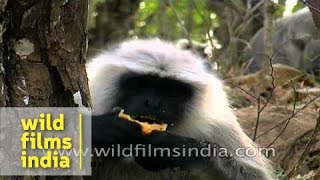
(3,27)
(44,53)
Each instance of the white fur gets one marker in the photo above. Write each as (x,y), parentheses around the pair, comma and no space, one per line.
(210,118)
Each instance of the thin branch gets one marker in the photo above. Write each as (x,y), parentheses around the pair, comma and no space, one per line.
(292,113)
(243,90)
(291,116)
(257,120)
(259,108)
(306,149)
(305,2)
(187,34)
(272,83)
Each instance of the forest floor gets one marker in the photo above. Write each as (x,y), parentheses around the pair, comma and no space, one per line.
(288,108)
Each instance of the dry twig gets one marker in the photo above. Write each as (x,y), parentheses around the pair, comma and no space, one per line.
(306,149)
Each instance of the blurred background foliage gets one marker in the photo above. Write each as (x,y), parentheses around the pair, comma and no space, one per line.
(162,18)
(165,18)
(225,25)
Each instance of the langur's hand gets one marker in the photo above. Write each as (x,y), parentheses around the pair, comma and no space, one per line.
(109,129)
(164,142)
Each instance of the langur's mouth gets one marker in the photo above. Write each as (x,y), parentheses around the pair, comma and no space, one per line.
(148,119)
(147,123)
(142,117)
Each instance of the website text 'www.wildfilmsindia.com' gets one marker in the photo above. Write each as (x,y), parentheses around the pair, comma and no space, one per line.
(147,150)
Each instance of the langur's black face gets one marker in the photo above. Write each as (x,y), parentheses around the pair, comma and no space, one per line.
(150,98)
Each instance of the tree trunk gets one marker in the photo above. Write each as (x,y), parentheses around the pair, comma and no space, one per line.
(267,34)
(162,19)
(237,24)
(189,18)
(43,48)
(113,21)
(43,52)
(3,27)
(314,7)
